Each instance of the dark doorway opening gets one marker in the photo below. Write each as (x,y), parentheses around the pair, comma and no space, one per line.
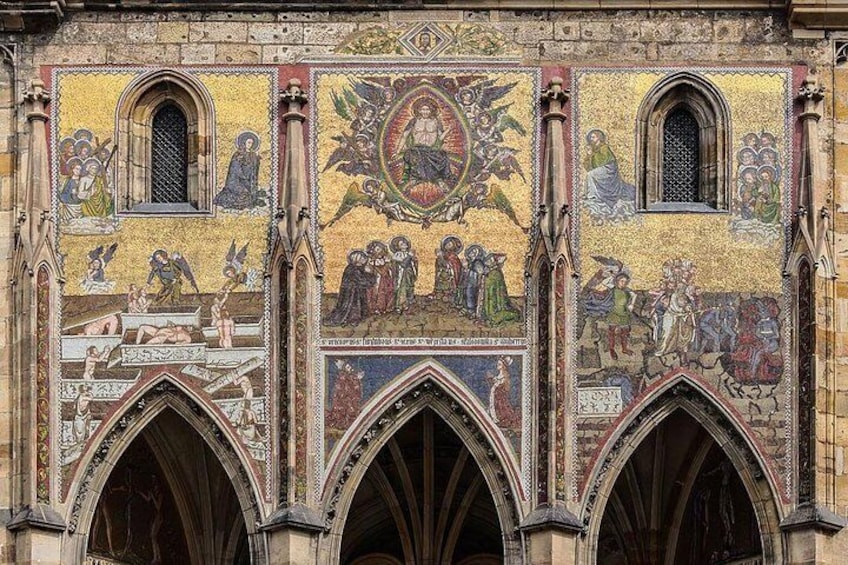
(423,500)
(169,500)
(679,500)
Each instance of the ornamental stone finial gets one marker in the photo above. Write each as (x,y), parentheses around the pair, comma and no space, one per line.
(811,90)
(37,97)
(294,94)
(555,92)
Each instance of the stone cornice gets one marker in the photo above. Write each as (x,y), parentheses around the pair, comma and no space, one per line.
(560,5)
(818,14)
(30,15)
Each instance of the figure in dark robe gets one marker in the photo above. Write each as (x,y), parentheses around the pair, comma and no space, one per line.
(352,305)
(448,271)
(241,190)
(427,168)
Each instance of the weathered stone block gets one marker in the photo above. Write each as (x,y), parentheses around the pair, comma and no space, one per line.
(86,32)
(287,33)
(596,31)
(326,34)
(566,31)
(218,32)
(145,32)
(625,31)
(528,32)
(235,54)
(123,53)
(197,54)
(172,32)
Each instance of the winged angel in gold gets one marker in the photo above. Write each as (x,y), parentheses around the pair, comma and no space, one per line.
(425,149)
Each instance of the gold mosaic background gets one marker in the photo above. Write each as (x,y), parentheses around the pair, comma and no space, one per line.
(204,242)
(490,228)
(610,102)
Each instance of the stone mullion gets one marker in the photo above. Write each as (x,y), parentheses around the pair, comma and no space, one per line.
(295,196)
(295,522)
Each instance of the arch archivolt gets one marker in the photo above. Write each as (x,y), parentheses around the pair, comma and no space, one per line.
(127,425)
(685,393)
(427,386)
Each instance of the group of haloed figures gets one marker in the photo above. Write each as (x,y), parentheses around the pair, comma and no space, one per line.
(381,279)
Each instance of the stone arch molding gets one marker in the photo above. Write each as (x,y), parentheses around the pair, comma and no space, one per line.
(139,102)
(161,394)
(683,392)
(705,102)
(425,386)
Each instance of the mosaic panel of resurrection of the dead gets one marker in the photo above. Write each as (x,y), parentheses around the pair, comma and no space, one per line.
(661,293)
(424,182)
(147,296)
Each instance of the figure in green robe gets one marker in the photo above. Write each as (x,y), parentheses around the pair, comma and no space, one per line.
(767,204)
(495,306)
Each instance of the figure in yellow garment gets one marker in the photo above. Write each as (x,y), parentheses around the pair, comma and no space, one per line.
(97,202)
(606,192)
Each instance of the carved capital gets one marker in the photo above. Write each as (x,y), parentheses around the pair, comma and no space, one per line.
(811,89)
(294,94)
(36,97)
(555,92)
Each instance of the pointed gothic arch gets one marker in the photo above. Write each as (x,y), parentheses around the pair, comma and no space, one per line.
(703,103)
(683,393)
(159,396)
(139,104)
(426,386)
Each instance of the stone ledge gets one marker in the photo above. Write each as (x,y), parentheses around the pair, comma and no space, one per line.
(31,15)
(815,14)
(39,517)
(553,517)
(809,515)
(296,517)
(348,5)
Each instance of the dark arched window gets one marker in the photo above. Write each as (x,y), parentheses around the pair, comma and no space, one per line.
(169,157)
(680,162)
(683,146)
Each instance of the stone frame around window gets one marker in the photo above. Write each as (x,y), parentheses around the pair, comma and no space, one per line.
(705,103)
(139,103)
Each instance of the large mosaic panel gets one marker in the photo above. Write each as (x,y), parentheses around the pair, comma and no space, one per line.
(424,186)
(182,295)
(425,183)
(665,293)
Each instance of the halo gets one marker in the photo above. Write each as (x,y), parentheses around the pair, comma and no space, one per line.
(599,132)
(425,101)
(91,160)
(244,136)
(453,238)
(73,162)
(353,253)
(80,144)
(474,247)
(83,135)
(396,241)
(768,168)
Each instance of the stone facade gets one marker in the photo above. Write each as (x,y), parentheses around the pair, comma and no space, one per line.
(447,210)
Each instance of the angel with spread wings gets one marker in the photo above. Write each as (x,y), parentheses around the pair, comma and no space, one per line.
(236,272)
(170,272)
